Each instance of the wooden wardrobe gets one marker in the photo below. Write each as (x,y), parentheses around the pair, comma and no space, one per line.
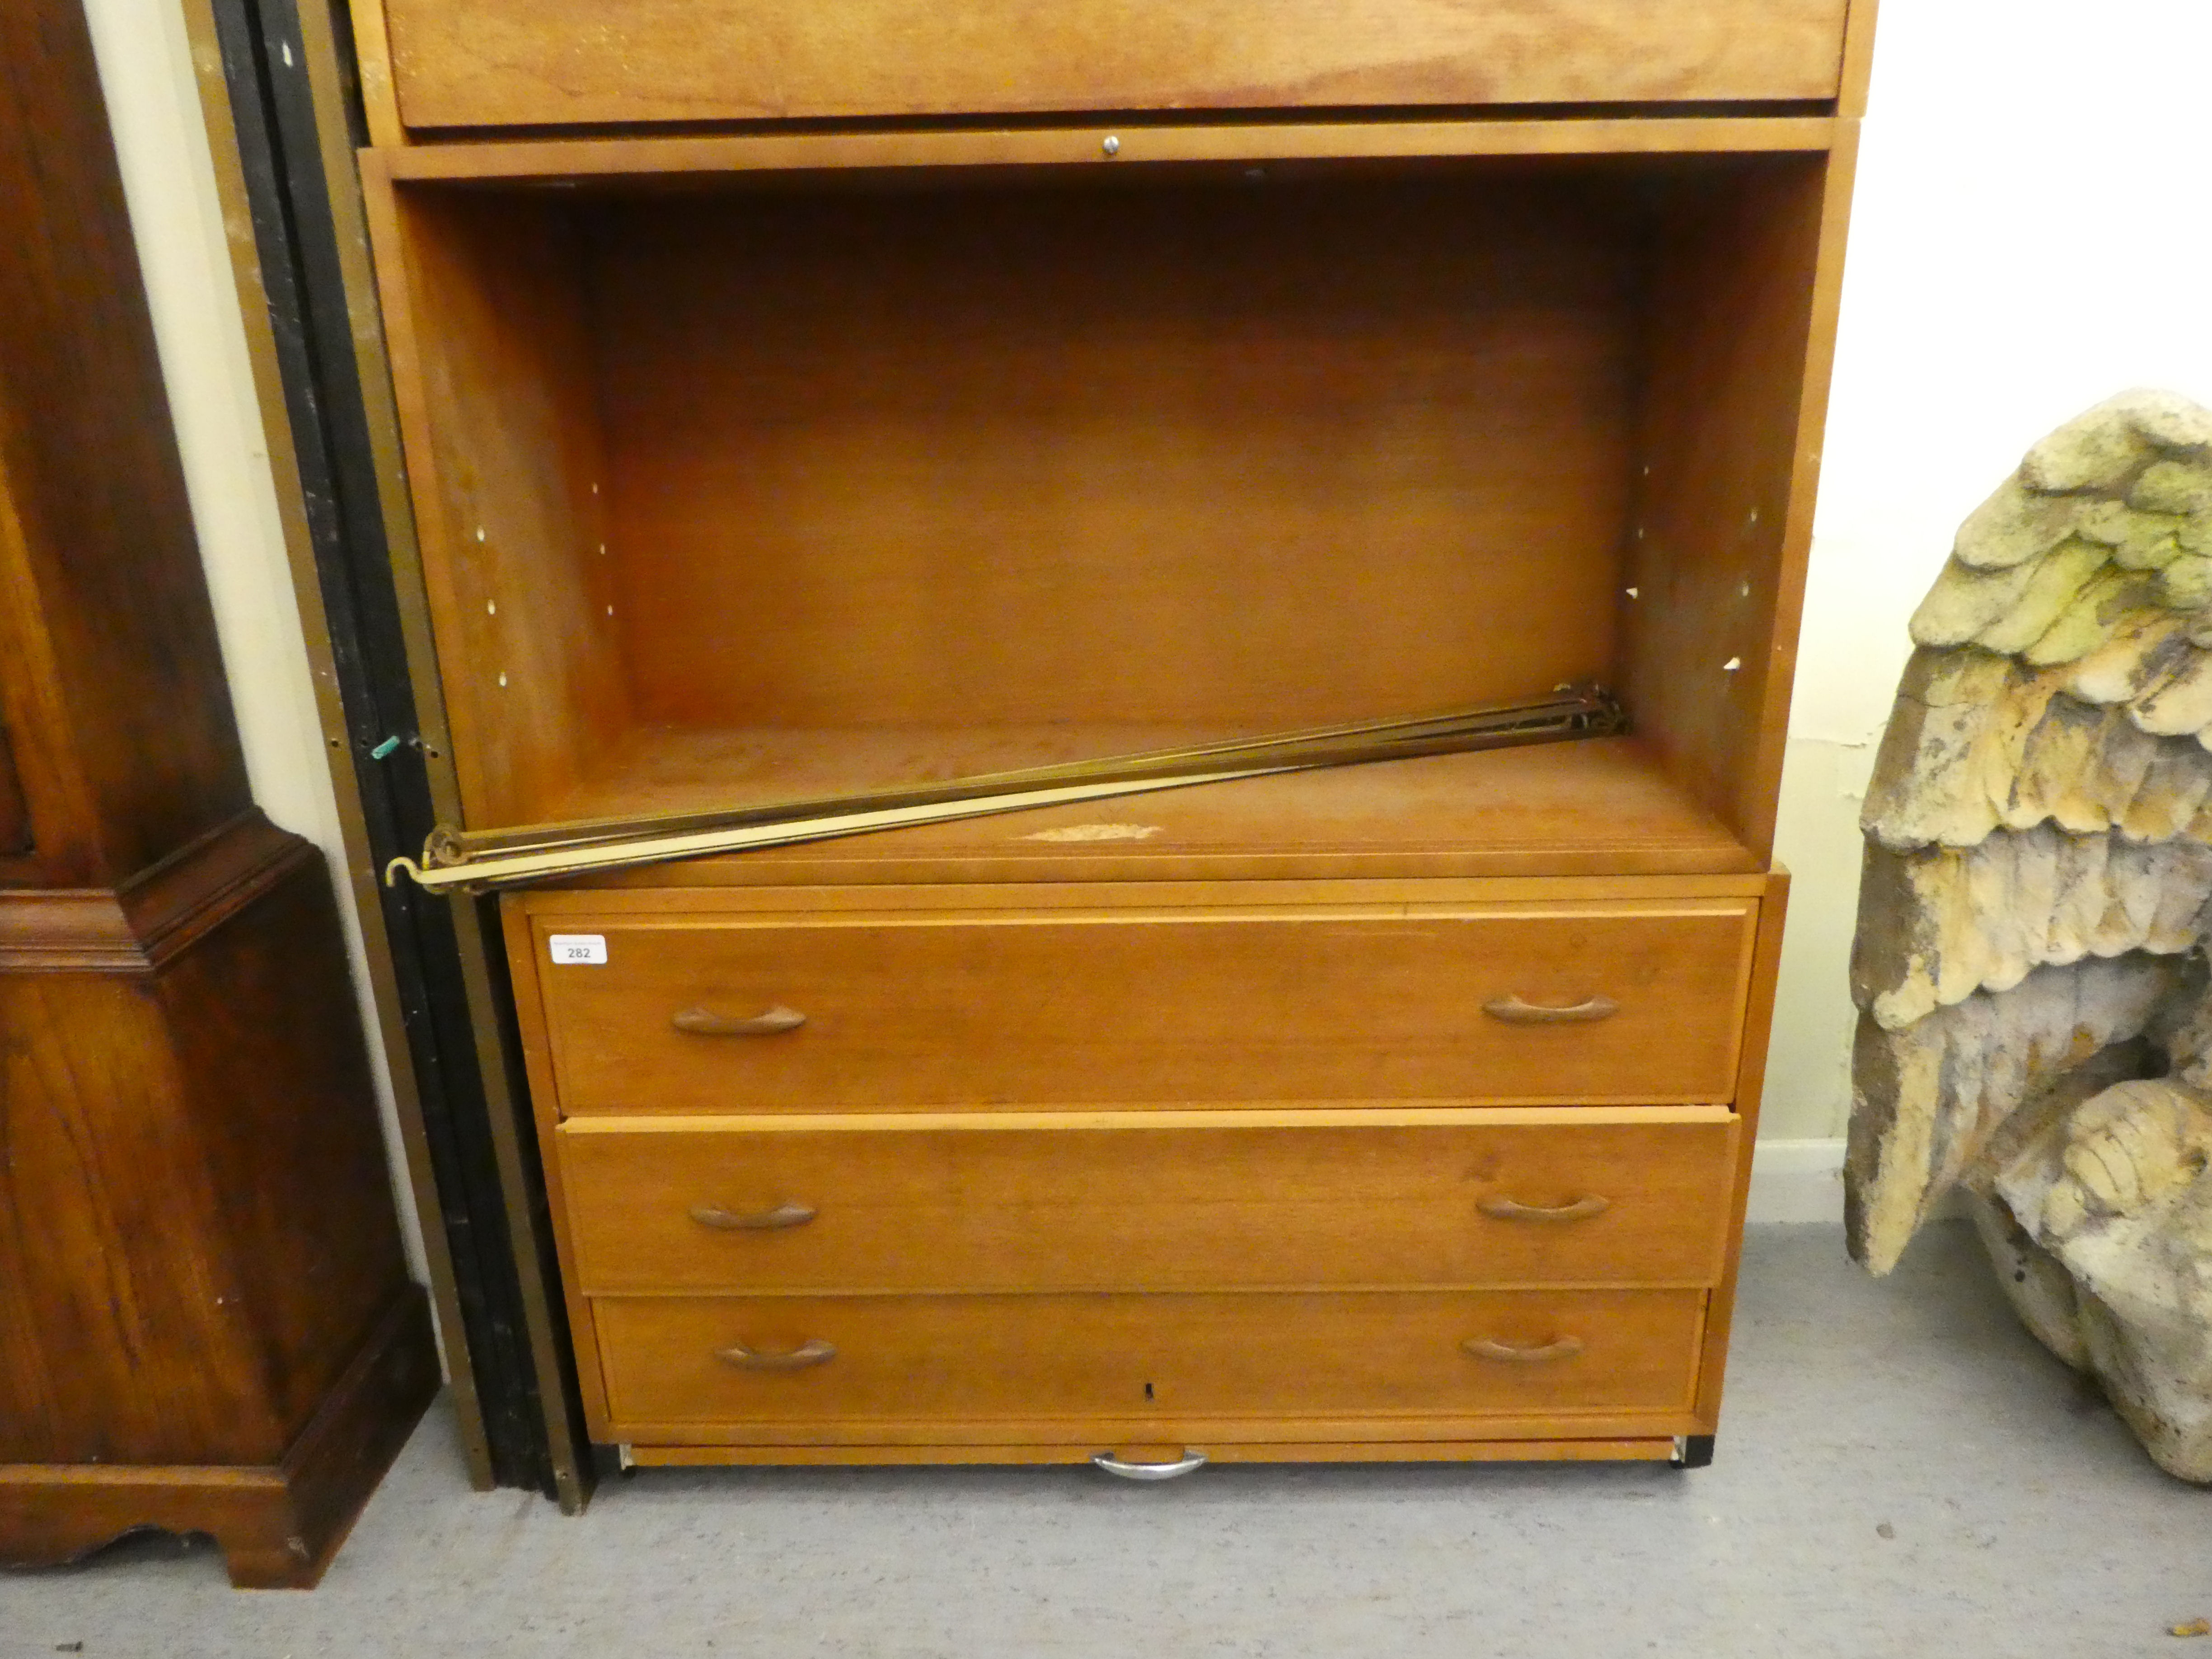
(206,1321)
(800,397)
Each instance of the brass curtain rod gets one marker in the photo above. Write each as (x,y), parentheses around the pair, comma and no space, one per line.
(481,860)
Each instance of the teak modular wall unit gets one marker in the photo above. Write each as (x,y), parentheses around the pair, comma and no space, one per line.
(799,398)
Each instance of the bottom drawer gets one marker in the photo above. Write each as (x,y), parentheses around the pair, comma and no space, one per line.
(1178,1360)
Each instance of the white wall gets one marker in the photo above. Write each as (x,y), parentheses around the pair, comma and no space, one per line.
(2032,234)
(160,140)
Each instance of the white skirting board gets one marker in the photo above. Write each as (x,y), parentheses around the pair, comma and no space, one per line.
(1798,1181)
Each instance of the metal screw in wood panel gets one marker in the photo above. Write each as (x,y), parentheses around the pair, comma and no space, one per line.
(1112,146)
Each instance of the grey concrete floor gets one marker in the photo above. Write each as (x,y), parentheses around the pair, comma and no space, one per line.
(1901,1471)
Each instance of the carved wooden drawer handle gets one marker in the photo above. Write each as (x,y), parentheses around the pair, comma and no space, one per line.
(813,1351)
(1564,1348)
(756,1221)
(699,1022)
(1511,1209)
(1513,1012)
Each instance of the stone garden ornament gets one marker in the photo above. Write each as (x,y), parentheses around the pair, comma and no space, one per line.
(2035,1013)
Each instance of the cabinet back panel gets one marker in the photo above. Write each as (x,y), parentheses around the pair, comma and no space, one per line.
(1254,456)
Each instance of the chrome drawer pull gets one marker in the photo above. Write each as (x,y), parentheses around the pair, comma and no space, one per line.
(1512,1209)
(1513,1012)
(759,1221)
(813,1351)
(1113,1465)
(698,1022)
(1564,1348)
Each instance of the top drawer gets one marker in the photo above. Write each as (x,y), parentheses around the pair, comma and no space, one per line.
(1626,1001)
(460,64)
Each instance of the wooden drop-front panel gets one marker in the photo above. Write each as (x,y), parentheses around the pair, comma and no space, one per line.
(525,63)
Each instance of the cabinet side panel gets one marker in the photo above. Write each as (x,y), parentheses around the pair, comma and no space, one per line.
(520,63)
(99,563)
(125,1333)
(492,355)
(371,45)
(1724,523)
(522,963)
(276,1074)
(1751,1085)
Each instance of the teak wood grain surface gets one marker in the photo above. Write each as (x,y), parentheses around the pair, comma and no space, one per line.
(1072,1205)
(1143,456)
(1176,1359)
(1137,1006)
(1508,811)
(533,63)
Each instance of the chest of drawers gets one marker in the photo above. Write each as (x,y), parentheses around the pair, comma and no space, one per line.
(1414,1168)
(800,399)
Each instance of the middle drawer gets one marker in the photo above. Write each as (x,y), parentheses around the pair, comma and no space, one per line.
(1149,1203)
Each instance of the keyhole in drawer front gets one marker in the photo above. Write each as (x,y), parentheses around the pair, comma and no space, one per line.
(1148,1391)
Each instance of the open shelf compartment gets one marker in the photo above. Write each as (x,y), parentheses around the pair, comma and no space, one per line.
(737,486)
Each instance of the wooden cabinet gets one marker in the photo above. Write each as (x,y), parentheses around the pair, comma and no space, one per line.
(206,1321)
(799,399)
